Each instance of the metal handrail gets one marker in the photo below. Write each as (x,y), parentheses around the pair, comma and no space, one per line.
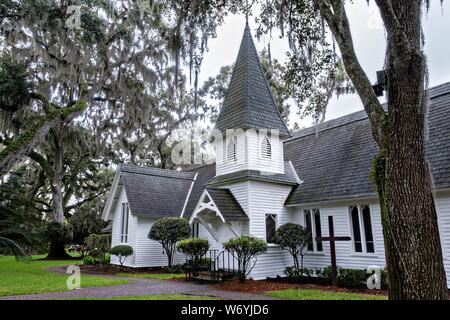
(215,258)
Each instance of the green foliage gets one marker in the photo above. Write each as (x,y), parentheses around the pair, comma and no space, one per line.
(14,85)
(178,268)
(246,249)
(98,246)
(168,231)
(294,238)
(84,223)
(352,278)
(57,235)
(121,252)
(21,225)
(194,248)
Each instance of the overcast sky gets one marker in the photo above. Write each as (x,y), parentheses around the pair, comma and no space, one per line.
(369,41)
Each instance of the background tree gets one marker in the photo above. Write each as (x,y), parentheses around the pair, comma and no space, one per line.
(294,238)
(168,231)
(84,222)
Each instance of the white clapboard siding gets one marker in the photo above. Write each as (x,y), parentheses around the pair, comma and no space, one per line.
(150,253)
(255,160)
(345,254)
(222,165)
(443,210)
(132,226)
(268,198)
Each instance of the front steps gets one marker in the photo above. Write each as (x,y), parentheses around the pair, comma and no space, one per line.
(209,276)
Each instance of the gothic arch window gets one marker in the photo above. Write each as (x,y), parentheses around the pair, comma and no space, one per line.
(231,150)
(266,148)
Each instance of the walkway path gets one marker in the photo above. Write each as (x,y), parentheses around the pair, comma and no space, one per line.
(138,287)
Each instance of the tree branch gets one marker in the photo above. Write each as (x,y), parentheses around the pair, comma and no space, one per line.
(338,23)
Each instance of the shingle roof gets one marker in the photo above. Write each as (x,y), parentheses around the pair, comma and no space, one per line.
(335,164)
(289,177)
(155,192)
(227,204)
(249,103)
(205,173)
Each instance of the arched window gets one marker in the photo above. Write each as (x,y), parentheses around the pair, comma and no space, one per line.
(231,150)
(266,148)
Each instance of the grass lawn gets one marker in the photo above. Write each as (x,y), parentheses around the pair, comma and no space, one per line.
(315,294)
(151,297)
(33,277)
(161,276)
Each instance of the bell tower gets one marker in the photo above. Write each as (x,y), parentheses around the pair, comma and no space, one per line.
(250,123)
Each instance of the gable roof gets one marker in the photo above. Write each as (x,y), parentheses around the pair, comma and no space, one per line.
(335,163)
(228,206)
(155,192)
(249,103)
(204,175)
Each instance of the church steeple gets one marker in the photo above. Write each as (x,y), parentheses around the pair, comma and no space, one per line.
(249,103)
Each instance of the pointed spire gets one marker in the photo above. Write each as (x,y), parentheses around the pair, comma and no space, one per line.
(249,103)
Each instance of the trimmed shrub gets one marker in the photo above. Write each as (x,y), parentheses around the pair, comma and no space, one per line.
(194,248)
(294,238)
(121,252)
(246,249)
(168,231)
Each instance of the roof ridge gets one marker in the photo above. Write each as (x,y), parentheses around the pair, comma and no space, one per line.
(121,168)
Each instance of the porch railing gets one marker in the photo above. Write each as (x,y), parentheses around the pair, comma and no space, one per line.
(214,263)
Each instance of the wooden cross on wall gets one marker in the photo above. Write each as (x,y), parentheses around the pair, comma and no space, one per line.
(331,238)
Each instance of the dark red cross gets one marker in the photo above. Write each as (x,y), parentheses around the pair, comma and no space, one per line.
(331,238)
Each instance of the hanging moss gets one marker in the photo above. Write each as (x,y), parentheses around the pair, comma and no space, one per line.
(29,135)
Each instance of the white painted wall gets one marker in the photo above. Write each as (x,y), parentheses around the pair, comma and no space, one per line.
(132,226)
(248,154)
(346,257)
(268,198)
(150,253)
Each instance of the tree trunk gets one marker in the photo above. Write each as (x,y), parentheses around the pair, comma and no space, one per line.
(56,250)
(413,247)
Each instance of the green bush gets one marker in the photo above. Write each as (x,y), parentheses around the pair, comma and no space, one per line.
(98,246)
(168,231)
(121,252)
(246,249)
(88,260)
(352,278)
(194,248)
(177,268)
(294,238)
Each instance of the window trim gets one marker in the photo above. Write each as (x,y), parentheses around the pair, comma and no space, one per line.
(275,218)
(261,149)
(124,223)
(234,141)
(313,229)
(362,230)
(195,230)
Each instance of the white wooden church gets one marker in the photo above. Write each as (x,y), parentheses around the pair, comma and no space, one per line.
(264,177)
